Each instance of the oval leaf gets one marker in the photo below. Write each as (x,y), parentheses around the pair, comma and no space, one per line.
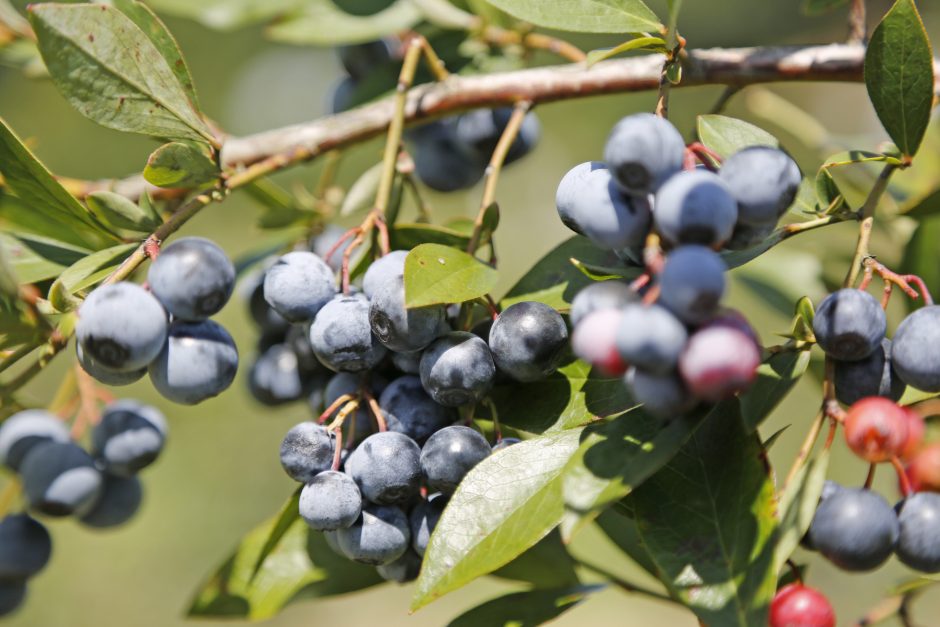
(899,75)
(180,165)
(322,23)
(584,16)
(88,271)
(524,609)
(407,236)
(654,44)
(775,378)
(361,194)
(437,274)
(110,70)
(122,213)
(727,136)
(798,505)
(506,504)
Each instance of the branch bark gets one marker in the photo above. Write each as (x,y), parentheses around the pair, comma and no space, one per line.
(737,67)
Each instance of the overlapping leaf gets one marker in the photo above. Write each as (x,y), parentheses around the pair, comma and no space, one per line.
(437,274)
(586,16)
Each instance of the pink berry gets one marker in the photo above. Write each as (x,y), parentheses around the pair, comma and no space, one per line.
(718,362)
(594,341)
(797,605)
(924,469)
(916,428)
(876,429)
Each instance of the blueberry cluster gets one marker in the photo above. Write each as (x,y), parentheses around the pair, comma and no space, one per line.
(125,331)
(676,343)
(59,478)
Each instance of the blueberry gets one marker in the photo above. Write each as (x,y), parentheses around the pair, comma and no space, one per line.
(663,395)
(829,488)
(342,337)
(450,454)
(442,162)
(298,285)
(383,270)
(528,340)
(379,536)
(764,182)
(718,362)
(914,351)
(850,324)
(855,529)
(12,594)
(692,283)
(107,375)
(386,468)
(595,341)
(332,541)
(408,363)
(919,538)
(601,295)
(360,59)
(747,235)
(198,361)
(119,501)
(406,568)
(341,96)
(590,203)
(330,501)
(275,378)
(423,518)
(457,369)
(129,437)
(22,431)
(268,320)
(307,450)
(411,411)
(59,479)
(481,129)
(25,547)
(872,376)
(121,326)
(695,207)
(643,151)
(505,443)
(192,278)
(398,328)
(650,338)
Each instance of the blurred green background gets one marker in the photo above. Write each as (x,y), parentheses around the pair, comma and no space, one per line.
(220,474)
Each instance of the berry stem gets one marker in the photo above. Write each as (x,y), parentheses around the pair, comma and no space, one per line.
(342,400)
(338,449)
(494,416)
(870,478)
(803,455)
(347,409)
(866,216)
(906,488)
(375,410)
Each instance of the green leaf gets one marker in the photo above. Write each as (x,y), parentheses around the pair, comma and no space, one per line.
(775,378)
(584,16)
(119,212)
(798,504)
(569,398)
(40,192)
(88,271)
(899,75)
(924,207)
(407,236)
(816,7)
(179,164)
(35,258)
(437,274)
(322,23)
(707,520)
(506,504)
(111,71)
(361,194)
(545,565)
(922,257)
(156,30)
(525,609)
(619,525)
(226,14)
(277,563)
(727,136)
(553,280)
(617,456)
(653,44)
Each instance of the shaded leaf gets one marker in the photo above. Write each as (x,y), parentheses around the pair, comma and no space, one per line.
(111,71)
(35,258)
(407,236)
(89,270)
(653,44)
(584,16)
(619,525)
(504,505)
(922,257)
(707,520)
(545,565)
(122,213)
(570,397)
(924,207)
(179,164)
(798,504)
(775,378)
(524,609)
(322,23)
(727,136)
(361,194)
(899,75)
(440,274)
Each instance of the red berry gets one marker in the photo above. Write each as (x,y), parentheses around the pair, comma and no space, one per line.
(719,361)
(876,429)
(797,605)
(915,434)
(924,469)
(594,341)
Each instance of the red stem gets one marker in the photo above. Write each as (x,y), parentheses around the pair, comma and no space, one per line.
(906,488)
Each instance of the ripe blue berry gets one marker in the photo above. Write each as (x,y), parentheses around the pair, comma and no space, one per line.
(330,501)
(450,454)
(298,285)
(383,270)
(12,594)
(129,437)
(25,547)
(192,278)
(457,369)
(398,328)
(306,451)
(481,129)
(423,519)
(764,182)
(528,340)
(601,295)
(406,568)
(342,337)
(643,152)
(650,338)
(119,501)
(360,59)
(443,162)
(855,529)
(379,536)
(872,376)
(24,430)
(198,361)
(387,468)
(411,411)
(121,326)
(60,479)
(919,537)
(107,375)
(692,283)
(914,349)
(850,324)
(275,377)
(590,203)
(695,207)
(662,395)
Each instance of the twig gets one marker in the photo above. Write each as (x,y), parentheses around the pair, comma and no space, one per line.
(867,217)
(858,31)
